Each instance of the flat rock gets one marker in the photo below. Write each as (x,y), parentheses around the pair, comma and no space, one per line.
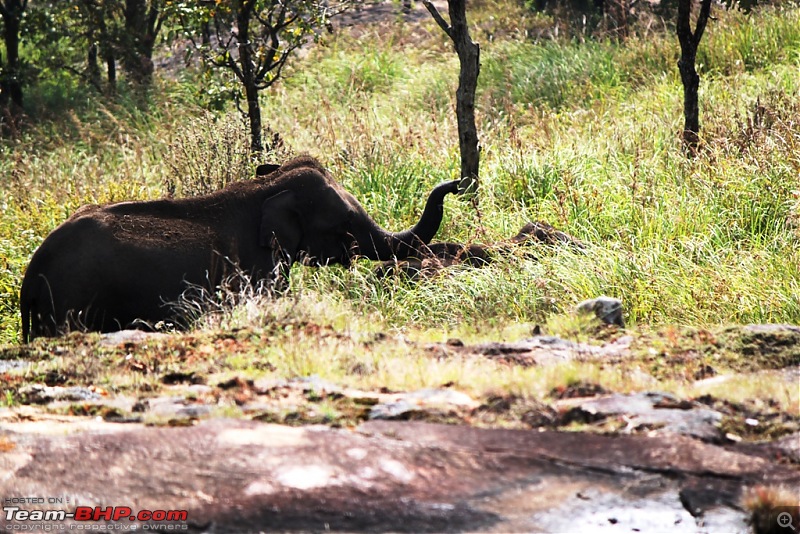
(543,350)
(772,346)
(31,425)
(176,408)
(42,394)
(245,476)
(12,365)
(789,446)
(661,412)
(401,406)
(125,337)
(771,329)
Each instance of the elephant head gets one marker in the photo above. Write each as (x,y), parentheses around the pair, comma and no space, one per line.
(320,223)
(110,267)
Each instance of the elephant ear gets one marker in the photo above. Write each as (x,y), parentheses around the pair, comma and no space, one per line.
(281,228)
(267,168)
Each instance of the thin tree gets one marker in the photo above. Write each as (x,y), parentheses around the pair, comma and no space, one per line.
(11,99)
(690,41)
(469,60)
(102,32)
(143,20)
(253,39)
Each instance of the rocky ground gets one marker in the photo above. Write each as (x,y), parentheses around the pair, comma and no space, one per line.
(302,453)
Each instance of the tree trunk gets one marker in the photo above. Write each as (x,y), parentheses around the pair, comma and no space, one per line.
(111,69)
(140,33)
(248,76)
(107,48)
(11,77)
(691,104)
(254,115)
(469,61)
(92,66)
(690,41)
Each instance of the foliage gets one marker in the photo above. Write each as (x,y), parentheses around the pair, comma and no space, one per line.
(618,18)
(54,48)
(252,40)
(59,36)
(282,28)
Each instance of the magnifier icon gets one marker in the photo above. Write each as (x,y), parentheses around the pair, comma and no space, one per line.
(785,520)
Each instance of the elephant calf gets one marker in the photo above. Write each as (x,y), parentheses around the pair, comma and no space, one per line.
(120,265)
(436,256)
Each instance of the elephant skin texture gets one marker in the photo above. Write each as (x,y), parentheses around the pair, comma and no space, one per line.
(124,265)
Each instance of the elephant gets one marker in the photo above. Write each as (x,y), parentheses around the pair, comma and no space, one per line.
(435,256)
(127,264)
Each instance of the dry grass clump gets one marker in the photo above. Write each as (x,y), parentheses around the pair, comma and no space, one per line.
(773,509)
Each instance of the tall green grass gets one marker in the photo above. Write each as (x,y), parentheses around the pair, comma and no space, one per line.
(582,135)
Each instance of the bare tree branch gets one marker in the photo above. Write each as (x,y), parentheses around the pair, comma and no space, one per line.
(702,20)
(438,17)
(276,68)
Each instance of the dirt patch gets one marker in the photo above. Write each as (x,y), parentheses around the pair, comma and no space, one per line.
(381,11)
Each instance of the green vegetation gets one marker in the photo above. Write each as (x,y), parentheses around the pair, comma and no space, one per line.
(583,135)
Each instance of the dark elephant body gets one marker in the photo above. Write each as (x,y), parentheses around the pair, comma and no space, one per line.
(127,264)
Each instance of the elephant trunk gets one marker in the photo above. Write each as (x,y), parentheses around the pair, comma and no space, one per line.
(383,245)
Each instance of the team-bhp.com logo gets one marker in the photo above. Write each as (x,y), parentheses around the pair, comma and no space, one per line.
(48,519)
